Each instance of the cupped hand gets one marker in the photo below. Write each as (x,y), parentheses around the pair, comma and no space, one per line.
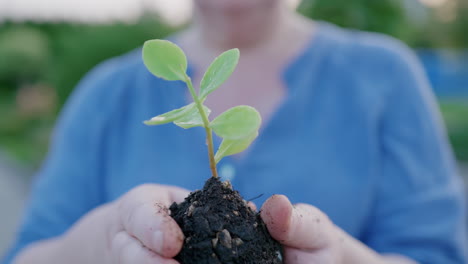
(306,233)
(136,228)
(309,236)
(144,231)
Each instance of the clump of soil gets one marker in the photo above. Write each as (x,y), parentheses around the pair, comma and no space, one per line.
(219,227)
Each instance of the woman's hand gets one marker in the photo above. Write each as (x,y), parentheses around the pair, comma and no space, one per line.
(309,236)
(137,228)
(144,232)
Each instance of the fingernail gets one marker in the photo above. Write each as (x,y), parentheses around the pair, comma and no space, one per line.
(158,241)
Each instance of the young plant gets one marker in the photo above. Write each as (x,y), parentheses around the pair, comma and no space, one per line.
(238,126)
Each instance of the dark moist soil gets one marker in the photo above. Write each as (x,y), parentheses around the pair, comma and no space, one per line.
(219,227)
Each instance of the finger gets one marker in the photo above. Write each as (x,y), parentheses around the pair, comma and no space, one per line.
(299,256)
(143,214)
(177,194)
(302,226)
(128,250)
(252,206)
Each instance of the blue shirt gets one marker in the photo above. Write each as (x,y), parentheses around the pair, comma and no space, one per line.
(358,135)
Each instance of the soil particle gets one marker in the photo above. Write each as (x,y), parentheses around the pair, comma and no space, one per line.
(220,228)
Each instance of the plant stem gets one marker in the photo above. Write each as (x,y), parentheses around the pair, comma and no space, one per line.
(206,124)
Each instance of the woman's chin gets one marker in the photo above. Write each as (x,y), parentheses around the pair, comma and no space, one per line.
(235,7)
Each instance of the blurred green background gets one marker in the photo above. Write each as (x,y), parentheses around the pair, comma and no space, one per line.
(40,63)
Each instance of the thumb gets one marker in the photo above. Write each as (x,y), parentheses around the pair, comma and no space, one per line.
(301,226)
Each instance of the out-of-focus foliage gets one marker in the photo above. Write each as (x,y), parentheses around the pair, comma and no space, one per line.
(24,52)
(41,64)
(385,16)
(456,119)
(460,26)
(445,26)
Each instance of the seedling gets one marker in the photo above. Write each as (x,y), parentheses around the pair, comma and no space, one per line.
(217,224)
(238,126)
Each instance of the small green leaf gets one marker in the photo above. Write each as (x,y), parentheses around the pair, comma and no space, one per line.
(172,115)
(218,72)
(165,59)
(234,146)
(193,119)
(237,122)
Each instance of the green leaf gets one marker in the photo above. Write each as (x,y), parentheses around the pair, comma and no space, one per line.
(192,119)
(218,72)
(165,59)
(234,146)
(237,122)
(172,115)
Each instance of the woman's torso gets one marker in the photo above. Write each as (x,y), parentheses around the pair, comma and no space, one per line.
(320,145)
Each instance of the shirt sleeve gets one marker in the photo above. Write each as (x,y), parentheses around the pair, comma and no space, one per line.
(69,184)
(419,210)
